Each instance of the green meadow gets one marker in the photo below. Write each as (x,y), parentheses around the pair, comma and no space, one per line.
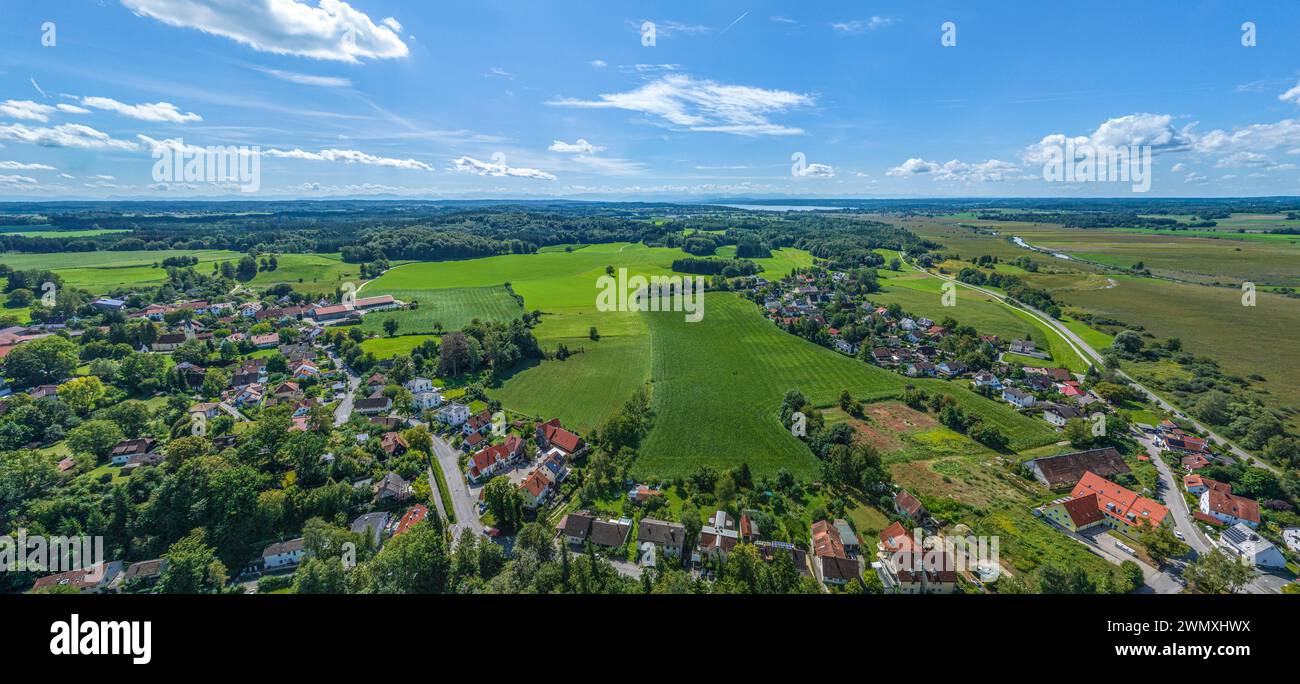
(448,309)
(716,384)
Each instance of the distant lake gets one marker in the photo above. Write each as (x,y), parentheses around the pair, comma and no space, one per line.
(780,207)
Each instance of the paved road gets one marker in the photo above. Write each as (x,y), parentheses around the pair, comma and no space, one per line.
(464,500)
(1172,494)
(344,410)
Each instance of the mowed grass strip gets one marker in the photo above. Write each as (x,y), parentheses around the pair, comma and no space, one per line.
(452,309)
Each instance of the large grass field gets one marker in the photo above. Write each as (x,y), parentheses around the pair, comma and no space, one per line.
(450,309)
(586,388)
(718,386)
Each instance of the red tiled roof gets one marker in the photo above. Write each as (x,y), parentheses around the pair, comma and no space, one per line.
(416,514)
(907,503)
(826,540)
(1236,506)
(1117,502)
(1084,510)
(895,538)
(562,438)
(535,483)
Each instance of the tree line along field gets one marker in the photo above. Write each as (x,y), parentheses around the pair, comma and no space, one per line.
(102,271)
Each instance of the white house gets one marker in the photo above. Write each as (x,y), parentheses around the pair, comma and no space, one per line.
(1060,415)
(1291,536)
(418,385)
(987,379)
(1017,397)
(283,554)
(1230,508)
(454,414)
(426,400)
(1251,547)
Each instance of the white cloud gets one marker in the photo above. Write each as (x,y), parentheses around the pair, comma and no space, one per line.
(1246,158)
(26,110)
(307,79)
(350,157)
(1178,168)
(64,135)
(157,111)
(703,105)
(579,147)
(1292,95)
(1255,137)
(913,167)
(497,168)
(392,24)
(667,28)
(21,166)
(816,171)
(72,109)
(598,63)
(333,30)
(1143,129)
(502,73)
(17,180)
(860,26)
(169,146)
(956,170)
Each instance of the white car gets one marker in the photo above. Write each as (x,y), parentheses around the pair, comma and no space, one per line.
(1179,535)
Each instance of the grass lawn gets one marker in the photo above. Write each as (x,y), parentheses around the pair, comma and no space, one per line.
(384,347)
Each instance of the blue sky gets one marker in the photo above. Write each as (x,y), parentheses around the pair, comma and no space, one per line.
(520,99)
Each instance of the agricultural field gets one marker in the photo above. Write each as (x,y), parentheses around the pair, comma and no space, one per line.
(726,375)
